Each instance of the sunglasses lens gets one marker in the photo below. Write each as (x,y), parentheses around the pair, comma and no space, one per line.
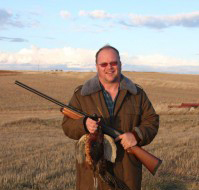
(103,64)
(111,63)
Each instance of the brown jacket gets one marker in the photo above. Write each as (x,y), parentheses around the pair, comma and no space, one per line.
(133,112)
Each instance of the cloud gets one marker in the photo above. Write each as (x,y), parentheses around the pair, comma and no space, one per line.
(69,58)
(157,60)
(160,63)
(65,14)
(185,20)
(96,14)
(8,19)
(151,21)
(12,39)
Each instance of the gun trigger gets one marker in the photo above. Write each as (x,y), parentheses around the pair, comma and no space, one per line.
(95,117)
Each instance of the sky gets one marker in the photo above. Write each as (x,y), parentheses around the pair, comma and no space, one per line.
(151,35)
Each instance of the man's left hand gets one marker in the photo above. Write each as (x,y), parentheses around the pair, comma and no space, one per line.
(127,140)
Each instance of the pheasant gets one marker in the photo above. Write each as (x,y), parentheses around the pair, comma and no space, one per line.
(96,149)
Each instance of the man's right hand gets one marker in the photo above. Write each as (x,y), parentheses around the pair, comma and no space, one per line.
(91,125)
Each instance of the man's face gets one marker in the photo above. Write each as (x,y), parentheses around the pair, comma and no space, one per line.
(108,66)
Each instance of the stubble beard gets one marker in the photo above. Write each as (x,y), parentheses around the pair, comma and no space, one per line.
(112,79)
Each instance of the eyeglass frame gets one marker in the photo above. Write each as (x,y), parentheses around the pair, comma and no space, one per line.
(113,64)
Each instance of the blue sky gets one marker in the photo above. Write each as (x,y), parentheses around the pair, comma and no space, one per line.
(155,35)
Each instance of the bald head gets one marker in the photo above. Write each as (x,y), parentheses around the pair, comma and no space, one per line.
(104,48)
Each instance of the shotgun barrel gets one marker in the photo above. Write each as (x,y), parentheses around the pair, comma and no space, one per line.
(72,109)
(148,160)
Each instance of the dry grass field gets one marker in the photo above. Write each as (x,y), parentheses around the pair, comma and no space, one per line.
(35,154)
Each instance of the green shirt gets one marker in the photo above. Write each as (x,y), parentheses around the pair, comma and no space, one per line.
(109,102)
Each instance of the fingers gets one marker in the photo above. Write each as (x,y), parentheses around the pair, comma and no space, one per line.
(91,125)
(123,142)
(118,138)
(127,140)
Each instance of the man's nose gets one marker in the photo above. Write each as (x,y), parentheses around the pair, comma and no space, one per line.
(109,65)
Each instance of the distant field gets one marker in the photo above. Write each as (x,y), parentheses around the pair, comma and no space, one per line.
(35,154)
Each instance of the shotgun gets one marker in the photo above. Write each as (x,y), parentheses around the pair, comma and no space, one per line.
(151,162)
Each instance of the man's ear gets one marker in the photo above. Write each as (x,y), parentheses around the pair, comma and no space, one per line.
(96,66)
(120,65)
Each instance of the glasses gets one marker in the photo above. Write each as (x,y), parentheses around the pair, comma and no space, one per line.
(114,63)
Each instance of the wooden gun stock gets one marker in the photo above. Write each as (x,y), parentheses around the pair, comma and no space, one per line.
(148,160)
(151,162)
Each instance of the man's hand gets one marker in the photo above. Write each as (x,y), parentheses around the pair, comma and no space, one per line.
(91,125)
(127,140)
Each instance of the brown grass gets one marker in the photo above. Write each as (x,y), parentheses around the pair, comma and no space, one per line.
(35,154)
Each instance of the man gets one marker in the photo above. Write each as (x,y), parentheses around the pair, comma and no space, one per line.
(123,105)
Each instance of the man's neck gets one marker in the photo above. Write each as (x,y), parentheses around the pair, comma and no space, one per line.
(112,89)
(111,86)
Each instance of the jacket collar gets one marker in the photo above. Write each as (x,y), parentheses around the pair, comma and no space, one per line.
(93,85)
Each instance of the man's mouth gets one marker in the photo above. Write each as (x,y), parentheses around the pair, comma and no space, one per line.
(110,72)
